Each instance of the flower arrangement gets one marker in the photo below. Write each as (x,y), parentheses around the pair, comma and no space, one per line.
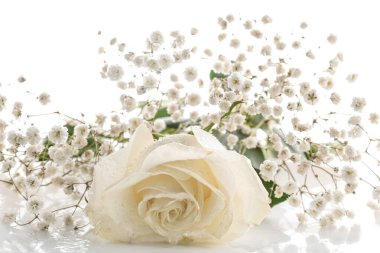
(206,141)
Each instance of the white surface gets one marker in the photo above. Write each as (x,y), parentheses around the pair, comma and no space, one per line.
(277,234)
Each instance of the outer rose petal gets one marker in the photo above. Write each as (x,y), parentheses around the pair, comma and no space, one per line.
(171,152)
(110,170)
(207,140)
(250,201)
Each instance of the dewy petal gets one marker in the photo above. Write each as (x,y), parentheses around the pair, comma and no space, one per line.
(120,205)
(110,170)
(251,202)
(171,152)
(207,140)
(141,140)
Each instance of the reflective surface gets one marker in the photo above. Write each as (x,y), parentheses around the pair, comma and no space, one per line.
(278,233)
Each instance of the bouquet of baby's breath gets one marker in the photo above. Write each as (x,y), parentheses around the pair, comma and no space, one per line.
(271,97)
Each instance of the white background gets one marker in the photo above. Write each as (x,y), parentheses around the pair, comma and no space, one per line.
(54,43)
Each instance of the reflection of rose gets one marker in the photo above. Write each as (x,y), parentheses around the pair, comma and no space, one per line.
(182,188)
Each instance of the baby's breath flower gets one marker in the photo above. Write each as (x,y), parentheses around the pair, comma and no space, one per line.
(326,82)
(332,39)
(374,118)
(194,31)
(115,72)
(303,167)
(349,174)
(58,135)
(294,201)
(266,19)
(16,138)
(268,169)
(43,225)
(278,192)
(176,116)
(310,55)
(232,141)
(150,82)
(352,77)
(44,98)
(358,104)
(129,103)
(290,187)
(34,205)
(190,74)
(250,142)
(193,99)
(159,125)
(235,43)
(284,154)
(335,98)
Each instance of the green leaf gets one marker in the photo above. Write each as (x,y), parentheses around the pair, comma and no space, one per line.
(256,156)
(162,113)
(214,75)
(208,128)
(270,187)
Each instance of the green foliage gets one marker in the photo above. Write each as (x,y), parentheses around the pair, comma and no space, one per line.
(162,113)
(214,75)
(270,187)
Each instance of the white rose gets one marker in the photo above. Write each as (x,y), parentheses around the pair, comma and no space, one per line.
(182,188)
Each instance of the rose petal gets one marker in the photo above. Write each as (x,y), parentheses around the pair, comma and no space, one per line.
(171,152)
(207,140)
(251,204)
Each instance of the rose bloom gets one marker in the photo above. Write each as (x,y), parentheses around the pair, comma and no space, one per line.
(183,188)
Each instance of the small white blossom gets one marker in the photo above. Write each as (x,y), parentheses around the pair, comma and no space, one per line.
(7,165)
(115,72)
(44,98)
(232,140)
(349,174)
(303,167)
(159,125)
(352,77)
(235,81)
(165,61)
(335,98)
(332,39)
(81,130)
(294,201)
(172,94)
(58,135)
(34,205)
(193,99)
(268,169)
(150,82)
(290,187)
(190,74)
(374,118)
(33,135)
(16,138)
(358,104)
(250,142)
(284,154)
(129,103)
